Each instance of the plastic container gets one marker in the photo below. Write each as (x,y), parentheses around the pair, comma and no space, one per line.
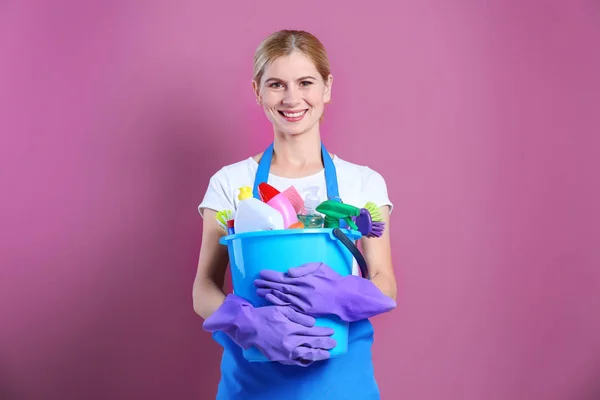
(278,201)
(280,250)
(310,217)
(254,215)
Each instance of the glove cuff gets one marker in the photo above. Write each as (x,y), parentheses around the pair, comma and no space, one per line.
(233,319)
(358,298)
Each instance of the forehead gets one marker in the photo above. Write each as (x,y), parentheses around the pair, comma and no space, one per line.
(291,67)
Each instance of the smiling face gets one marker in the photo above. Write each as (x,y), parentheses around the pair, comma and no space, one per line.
(292,93)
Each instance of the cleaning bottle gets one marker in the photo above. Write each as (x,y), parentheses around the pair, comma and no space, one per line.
(309,216)
(278,201)
(255,215)
(335,211)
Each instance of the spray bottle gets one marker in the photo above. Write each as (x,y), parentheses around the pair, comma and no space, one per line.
(335,211)
(309,216)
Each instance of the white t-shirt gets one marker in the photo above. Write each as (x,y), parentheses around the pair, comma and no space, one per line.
(357,185)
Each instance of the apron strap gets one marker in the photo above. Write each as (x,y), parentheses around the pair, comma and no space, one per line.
(264,166)
(262,173)
(330,176)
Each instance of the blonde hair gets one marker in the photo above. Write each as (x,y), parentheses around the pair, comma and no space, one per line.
(284,42)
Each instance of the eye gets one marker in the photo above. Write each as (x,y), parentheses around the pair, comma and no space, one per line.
(275,85)
(305,83)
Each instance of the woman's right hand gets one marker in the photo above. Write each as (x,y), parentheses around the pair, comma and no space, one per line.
(281,333)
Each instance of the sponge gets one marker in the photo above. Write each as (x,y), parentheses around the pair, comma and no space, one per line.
(294,197)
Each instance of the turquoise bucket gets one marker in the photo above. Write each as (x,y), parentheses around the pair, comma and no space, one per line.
(280,250)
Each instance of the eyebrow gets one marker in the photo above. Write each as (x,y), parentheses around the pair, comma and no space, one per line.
(299,79)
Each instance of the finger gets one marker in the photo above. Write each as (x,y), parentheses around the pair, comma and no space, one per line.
(274,276)
(320,342)
(284,297)
(290,300)
(263,283)
(283,288)
(275,300)
(304,363)
(315,331)
(262,292)
(306,269)
(299,303)
(293,361)
(302,319)
(307,355)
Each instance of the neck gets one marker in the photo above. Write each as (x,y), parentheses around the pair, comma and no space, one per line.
(297,151)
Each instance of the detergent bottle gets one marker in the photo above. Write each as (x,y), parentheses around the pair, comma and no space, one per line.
(278,201)
(310,217)
(255,215)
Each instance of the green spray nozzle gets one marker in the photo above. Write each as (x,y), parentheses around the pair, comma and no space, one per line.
(334,211)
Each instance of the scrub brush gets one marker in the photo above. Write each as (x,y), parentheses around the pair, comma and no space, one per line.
(370,222)
(294,197)
(374,211)
(223,216)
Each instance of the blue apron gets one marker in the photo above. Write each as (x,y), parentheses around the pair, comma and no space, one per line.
(349,377)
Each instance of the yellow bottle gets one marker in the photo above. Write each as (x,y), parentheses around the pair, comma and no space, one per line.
(245,193)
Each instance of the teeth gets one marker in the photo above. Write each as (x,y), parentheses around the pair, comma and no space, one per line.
(293,115)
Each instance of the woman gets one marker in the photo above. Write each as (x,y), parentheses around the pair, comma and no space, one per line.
(292,82)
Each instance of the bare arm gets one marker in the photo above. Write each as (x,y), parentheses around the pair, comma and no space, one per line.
(378,254)
(207,293)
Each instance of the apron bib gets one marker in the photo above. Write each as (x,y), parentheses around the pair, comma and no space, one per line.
(348,377)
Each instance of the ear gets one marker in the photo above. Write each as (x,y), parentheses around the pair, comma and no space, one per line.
(328,84)
(256,92)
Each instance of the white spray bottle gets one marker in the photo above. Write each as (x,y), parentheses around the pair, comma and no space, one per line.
(310,217)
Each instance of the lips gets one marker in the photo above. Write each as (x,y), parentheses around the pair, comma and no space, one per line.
(292,113)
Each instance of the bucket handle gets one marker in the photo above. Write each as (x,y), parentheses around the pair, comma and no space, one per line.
(362,263)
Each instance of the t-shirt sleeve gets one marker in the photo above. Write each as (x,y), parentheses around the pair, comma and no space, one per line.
(217,196)
(375,189)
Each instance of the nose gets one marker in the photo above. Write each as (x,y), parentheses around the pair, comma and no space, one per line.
(292,96)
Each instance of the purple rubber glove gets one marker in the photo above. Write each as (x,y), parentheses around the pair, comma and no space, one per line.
(317,290)
(280,333)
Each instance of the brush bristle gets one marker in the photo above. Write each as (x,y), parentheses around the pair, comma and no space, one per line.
(223,216)
(374,211)
(376,229)
(294,197)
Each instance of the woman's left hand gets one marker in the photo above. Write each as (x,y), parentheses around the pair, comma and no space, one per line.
(318,290)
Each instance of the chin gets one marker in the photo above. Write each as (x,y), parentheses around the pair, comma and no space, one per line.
(288,132)
(296,130)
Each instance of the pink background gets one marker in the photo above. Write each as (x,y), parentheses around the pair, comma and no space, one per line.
(484,119)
